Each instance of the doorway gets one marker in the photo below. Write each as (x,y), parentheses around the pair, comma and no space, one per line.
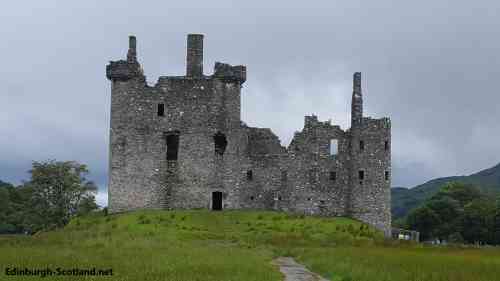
(217,201)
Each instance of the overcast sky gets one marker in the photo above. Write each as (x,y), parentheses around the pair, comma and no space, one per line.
(431,66)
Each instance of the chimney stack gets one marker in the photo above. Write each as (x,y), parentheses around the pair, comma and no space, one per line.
(357,100)
(132,52)
(194,58)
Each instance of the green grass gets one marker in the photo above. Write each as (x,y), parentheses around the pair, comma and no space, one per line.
(236,245)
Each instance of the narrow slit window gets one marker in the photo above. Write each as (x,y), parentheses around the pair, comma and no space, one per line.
(249,175)
(387,175)
(386,145)
(361,175)
(361,145)
(172,146)
(161,109)
(333,175)
(334,147)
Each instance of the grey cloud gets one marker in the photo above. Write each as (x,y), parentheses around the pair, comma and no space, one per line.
(429,65)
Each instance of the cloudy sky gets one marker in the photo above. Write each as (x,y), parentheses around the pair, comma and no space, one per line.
(431,66)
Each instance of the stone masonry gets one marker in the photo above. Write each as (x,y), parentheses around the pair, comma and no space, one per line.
(181,144)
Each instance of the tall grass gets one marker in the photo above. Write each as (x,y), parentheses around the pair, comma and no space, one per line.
(236,245)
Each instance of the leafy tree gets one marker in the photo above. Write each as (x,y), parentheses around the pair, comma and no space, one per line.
(458,212)
(449,213)
(4,201)
(424,220)
(10,207)
(463,193)
(477,219)
(495,224)
(87,205)
(58,191)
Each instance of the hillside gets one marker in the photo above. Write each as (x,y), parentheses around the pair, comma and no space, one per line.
(5,184)
(235,245)
(403,199)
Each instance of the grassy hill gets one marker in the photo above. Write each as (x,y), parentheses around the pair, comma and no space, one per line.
(235,245)
(403,199)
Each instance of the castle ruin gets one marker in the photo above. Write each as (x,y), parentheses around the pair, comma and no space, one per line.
(181,144)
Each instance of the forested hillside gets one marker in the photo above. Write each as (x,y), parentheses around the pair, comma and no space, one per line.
(403,199)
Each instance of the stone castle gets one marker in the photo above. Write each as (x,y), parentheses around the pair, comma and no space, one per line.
(181,144)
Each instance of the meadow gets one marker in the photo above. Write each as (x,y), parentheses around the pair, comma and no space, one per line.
(236,245)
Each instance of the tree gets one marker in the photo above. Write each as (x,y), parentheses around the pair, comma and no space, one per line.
(424,220)
(449,213)
(87,205)
(11,202)
(4,201)
(463,193)
(58,191)
(458,212)
(5,209)
(495,224)
(477,219)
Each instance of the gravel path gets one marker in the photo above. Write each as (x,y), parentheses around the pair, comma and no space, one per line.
(294,271)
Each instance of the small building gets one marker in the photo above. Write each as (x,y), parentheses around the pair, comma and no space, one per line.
(403,234)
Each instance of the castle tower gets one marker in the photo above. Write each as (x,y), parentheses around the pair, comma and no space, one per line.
(370,174)
(174,144)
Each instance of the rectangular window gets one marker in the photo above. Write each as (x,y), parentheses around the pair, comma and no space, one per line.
(249,175)
(161,109)
(386,145)
(387,175)
(333,175)
(220,143)
(361,145)
(361,175)
(172,146)
(334,147)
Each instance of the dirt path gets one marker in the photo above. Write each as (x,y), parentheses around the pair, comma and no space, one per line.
(294,271)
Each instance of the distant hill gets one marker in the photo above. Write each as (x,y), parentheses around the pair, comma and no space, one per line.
(4,184)
(404,199)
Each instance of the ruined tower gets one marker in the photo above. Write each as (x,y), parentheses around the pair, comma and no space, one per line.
(181,144)
(370,162)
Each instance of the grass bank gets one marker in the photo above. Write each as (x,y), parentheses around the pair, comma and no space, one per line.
(235,245)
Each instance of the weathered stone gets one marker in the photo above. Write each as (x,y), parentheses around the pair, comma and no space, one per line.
(179,143)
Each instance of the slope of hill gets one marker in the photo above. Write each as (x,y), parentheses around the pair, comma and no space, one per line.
(234,245)
(404,199)
(5,184)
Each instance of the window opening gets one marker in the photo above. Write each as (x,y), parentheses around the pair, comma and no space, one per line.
(220,142)
(334,147)
(172,146)
(161,109)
